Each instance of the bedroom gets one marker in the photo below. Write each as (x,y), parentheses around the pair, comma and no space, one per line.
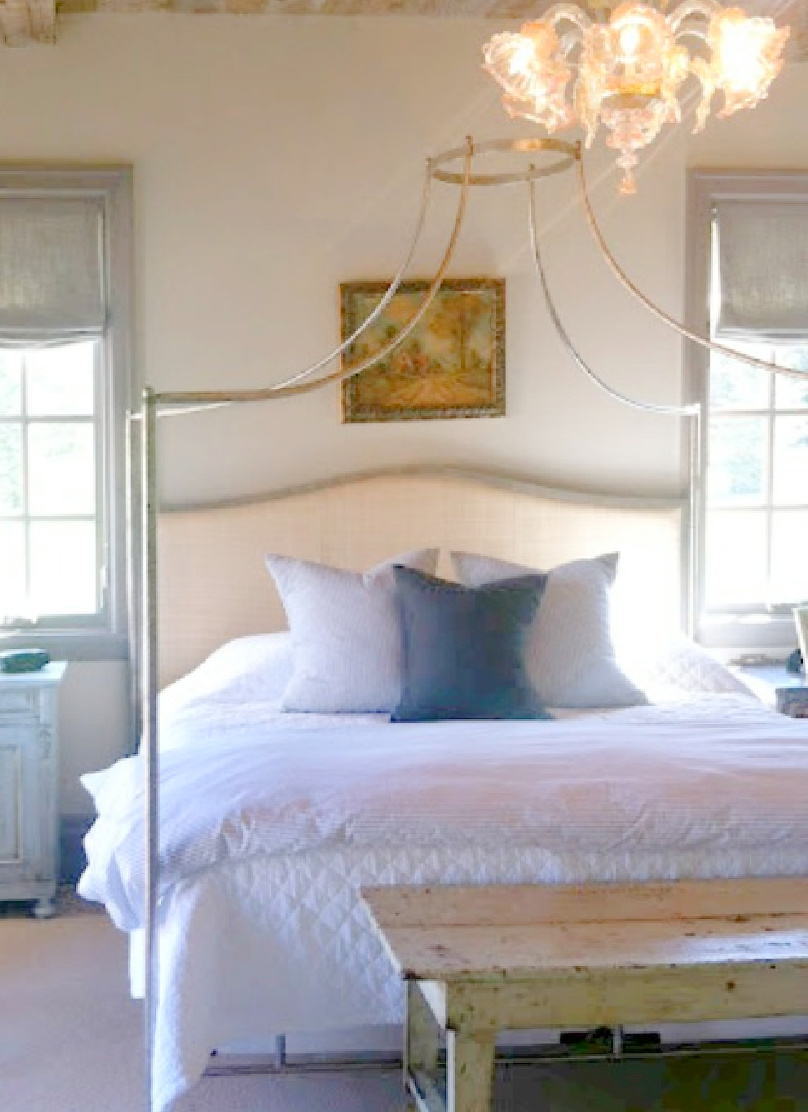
(265,174)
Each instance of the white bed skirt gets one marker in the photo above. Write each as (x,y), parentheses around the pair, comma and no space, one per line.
(236,969)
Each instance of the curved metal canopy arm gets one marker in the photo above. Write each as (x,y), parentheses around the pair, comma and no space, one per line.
(385,301)
(293,386)
(660,314)
(690,410)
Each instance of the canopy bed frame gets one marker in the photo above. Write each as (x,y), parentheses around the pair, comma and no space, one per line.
(358,520)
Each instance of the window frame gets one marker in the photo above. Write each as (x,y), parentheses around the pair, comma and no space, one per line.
(745,630)
(105,637)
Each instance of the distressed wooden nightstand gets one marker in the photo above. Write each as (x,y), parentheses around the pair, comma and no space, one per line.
(778,688)
(29,760)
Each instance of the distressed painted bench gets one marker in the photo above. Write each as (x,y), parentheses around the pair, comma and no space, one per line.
(484,959)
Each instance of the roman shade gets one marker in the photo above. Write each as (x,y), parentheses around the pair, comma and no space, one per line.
(762,269)
(52,287)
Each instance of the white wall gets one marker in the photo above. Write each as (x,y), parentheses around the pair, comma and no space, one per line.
(275,157)
(93,713)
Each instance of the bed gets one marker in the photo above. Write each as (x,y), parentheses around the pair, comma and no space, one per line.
(275,809)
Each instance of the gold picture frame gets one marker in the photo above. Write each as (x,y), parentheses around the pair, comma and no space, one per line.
(451,365)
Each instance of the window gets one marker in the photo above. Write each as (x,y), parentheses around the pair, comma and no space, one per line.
(753,525)
(64,390)
(756,483)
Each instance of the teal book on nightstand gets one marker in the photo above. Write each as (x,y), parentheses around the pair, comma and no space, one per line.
(786,691)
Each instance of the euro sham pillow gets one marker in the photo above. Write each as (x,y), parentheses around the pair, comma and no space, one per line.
(571,659)
(256,667)
(346,633)
(680,667)
(464,648)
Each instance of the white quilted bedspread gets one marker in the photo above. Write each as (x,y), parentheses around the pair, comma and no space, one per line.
(268,829)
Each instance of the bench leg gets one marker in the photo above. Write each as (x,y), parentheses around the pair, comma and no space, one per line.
(469,1071)
(421,1046)
(421,1038)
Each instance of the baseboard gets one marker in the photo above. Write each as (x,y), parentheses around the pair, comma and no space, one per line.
(72,859)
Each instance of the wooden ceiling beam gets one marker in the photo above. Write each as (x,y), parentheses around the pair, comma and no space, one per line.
(24,22)
(499,9)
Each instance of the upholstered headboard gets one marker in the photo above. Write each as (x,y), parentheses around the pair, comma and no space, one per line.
(213,585)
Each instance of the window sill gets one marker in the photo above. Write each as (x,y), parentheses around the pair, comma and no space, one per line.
(771,635)
(79,644)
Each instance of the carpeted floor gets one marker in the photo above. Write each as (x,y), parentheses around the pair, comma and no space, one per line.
(71,1041)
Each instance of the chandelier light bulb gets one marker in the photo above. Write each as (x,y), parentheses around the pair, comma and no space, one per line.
(636,34)
(624,71)
(748,54)
(629,42)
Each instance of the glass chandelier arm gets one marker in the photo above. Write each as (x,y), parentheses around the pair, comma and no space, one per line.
(677,326)
(568,13)
(214,398)
(700,9)
(692,410)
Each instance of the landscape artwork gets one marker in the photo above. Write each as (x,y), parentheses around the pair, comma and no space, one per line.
(451,365)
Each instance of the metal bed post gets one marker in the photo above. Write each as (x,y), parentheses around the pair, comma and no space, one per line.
(134,512)
(695,522)
(148,745)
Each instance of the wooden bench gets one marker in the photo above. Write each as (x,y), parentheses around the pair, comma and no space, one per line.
(480,960)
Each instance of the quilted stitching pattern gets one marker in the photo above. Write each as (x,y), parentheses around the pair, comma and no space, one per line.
(234,963)
(686,667)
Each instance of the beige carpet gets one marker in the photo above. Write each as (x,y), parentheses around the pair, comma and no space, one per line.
(70,1041)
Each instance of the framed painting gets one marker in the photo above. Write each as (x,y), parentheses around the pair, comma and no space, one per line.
(451,365)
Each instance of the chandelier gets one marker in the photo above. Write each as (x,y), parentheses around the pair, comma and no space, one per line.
(625,70)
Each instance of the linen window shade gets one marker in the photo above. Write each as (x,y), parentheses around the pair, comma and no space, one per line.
(762,261)
(52,281)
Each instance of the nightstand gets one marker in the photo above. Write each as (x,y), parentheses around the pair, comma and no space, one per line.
(29,759)
(773,685)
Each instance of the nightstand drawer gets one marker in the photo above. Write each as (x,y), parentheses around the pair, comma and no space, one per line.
(10,805)
(15,703)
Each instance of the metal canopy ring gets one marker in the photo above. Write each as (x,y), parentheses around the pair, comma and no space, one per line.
(570,154)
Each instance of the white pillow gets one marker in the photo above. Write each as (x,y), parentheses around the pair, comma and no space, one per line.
(346,633)
(570,656)
(253,668)
(683,667)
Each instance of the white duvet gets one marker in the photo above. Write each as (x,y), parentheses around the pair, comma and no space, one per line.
(721,777)
(269,827)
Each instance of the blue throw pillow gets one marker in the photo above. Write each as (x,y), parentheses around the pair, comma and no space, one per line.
(464,648)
